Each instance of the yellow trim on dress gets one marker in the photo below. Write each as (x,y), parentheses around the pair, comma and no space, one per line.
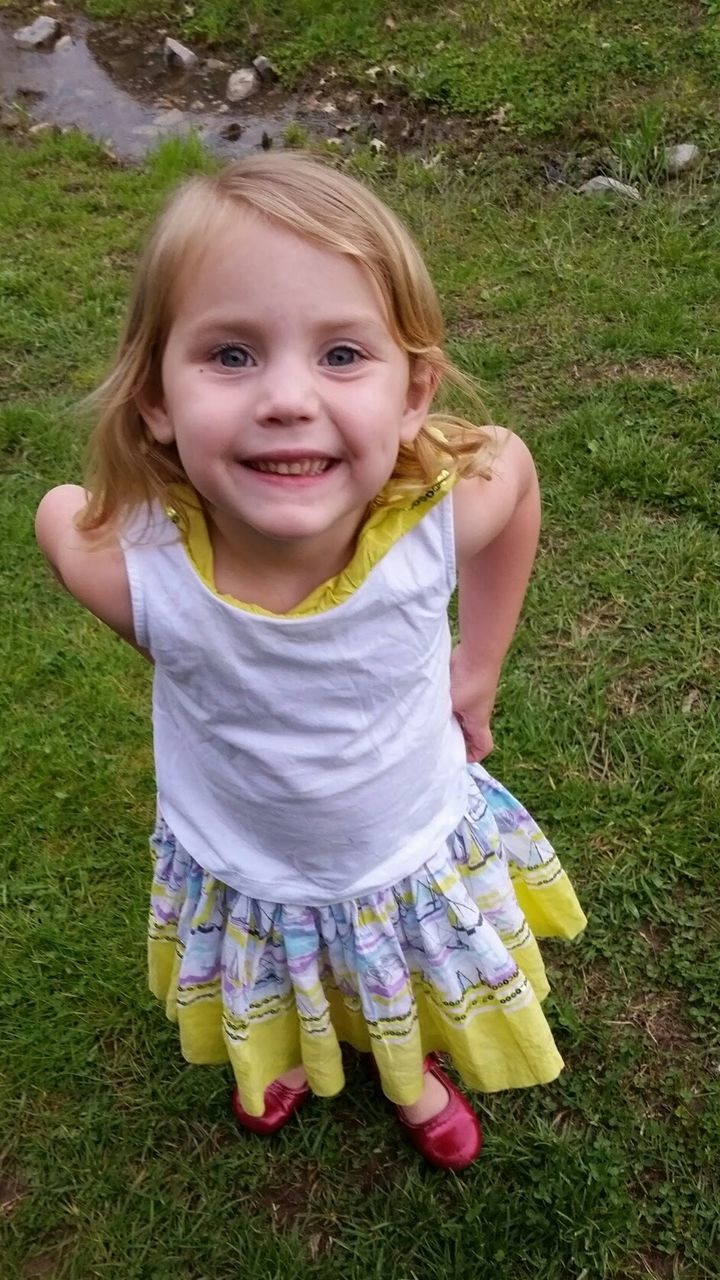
(381,531)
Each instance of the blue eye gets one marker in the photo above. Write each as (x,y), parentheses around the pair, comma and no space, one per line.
(232,357)
(342,357)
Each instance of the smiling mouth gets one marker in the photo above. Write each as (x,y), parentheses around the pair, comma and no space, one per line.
(298,467)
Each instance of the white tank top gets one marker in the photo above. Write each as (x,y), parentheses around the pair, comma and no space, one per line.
(313,757)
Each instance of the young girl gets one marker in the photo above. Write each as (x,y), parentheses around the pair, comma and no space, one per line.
(274,519)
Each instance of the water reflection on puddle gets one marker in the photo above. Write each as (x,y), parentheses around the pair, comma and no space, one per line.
(119,91)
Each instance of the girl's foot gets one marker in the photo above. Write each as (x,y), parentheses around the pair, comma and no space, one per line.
(282,1099)
(294,1079)
(442,1125)
(434,1100)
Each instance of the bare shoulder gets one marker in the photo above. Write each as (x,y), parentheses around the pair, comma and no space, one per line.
(91,566)
(482,508)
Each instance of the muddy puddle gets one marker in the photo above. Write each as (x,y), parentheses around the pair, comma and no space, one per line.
(117,88)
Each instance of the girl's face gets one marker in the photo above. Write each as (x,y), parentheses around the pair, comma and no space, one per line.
(282,388)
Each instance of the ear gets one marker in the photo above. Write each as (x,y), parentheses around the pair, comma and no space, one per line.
(151,406)
(421,389)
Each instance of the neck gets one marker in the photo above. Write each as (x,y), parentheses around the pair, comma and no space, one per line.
(276,574)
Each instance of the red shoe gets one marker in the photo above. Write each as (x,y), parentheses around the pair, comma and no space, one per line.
(281,1103)
(453,1138)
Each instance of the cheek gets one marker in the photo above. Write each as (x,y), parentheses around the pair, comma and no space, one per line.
(199,402)
(380,451)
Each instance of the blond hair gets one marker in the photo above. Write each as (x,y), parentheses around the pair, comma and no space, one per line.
(127,467)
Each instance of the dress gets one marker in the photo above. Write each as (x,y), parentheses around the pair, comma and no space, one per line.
(440,957)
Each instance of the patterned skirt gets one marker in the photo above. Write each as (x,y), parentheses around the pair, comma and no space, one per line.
(445,960)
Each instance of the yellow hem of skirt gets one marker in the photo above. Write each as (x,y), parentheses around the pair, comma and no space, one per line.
(548,901)
(493,1045)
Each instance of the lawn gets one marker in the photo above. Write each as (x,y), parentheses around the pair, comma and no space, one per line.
(592,326)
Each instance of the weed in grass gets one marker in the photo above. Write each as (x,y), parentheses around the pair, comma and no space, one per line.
(639,156)
(296,136)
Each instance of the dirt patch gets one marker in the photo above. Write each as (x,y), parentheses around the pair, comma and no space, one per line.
(658,517)
(639,691)
(43,1264)
(50,1262)
(13,1190)
(300,1196)
(661,1017)
(655,936)
(606,615)
(297,1198)
(634,692)
(646,369)
(660,1266)
(592,996)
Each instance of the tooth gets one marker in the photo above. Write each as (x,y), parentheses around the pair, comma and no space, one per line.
(303,467)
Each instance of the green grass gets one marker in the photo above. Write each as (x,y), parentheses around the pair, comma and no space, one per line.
(593,329)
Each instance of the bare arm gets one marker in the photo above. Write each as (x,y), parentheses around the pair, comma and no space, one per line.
(90,568)
(497,524)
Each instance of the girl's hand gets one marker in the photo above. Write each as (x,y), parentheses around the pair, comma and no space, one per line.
(473,697)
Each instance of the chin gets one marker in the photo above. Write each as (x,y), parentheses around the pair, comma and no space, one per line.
(292,531)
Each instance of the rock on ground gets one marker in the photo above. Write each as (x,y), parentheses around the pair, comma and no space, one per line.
(171,119)
(241,84)
(265,69)
(231,132)
(178,55)
(604,186)
(682,157)
(41,31)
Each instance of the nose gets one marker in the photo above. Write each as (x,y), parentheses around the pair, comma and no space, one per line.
(287,393)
